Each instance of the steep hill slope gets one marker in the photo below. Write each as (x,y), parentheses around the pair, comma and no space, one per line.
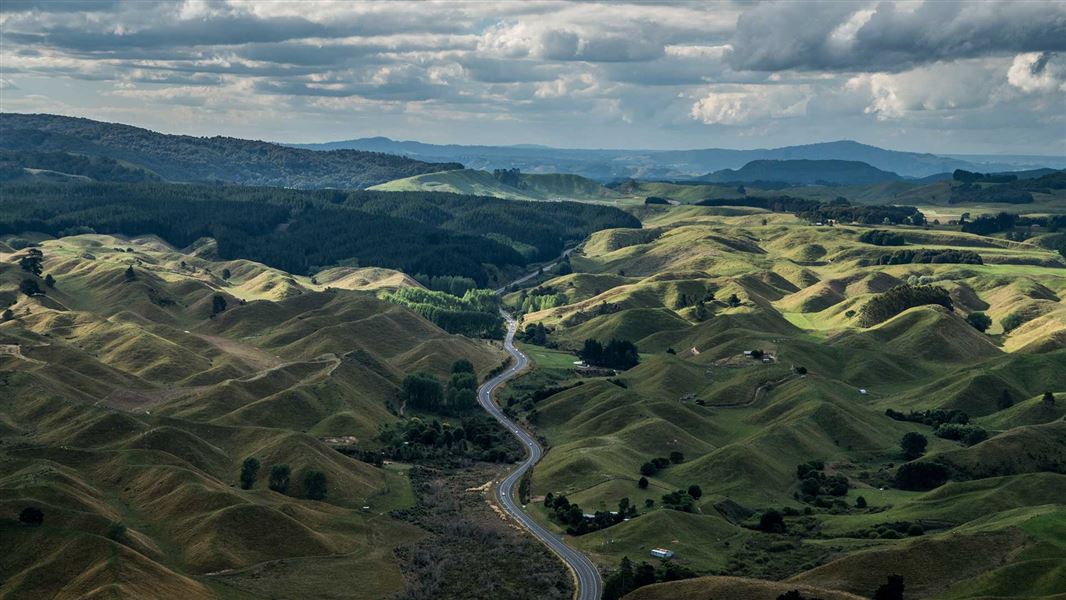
(187,158)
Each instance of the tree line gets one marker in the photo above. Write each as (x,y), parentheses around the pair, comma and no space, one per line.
(302,231)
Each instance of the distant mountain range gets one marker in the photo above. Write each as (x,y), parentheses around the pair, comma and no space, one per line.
(127,153)
(607,165)
(803,172)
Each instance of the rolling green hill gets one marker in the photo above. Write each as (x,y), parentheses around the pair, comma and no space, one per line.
(132,396)
(529,186)
(697,289)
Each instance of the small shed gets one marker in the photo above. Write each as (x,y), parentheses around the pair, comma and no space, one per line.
(662,553)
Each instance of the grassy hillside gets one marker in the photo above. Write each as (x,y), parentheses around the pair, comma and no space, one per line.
(140,380)
(697,289)
(530,186)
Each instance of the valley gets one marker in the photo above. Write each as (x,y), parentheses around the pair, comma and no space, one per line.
(222,390)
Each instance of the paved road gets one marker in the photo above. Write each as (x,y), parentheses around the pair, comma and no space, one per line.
(589,584)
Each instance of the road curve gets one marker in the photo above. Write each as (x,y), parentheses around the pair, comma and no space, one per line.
(589,584)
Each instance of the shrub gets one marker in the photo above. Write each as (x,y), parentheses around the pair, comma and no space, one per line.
(31,515)
(921,476)
(1011,322)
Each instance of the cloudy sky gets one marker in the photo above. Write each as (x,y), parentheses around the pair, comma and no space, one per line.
(977,77)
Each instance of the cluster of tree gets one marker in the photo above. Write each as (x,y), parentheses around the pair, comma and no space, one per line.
(581,316)
(99,168)
(921,476)
(474,314)
(880,237)
(967,434)
(511,177)
(476,438)
(571,515)
(544,228)
(931,256)
(617,354)
(774,204)
(187,158)
(628,578)
(979,321)
(1002,194)
(655,465)
(314,482)
(450,284)
(838,209)
(683,500)
(893,530)
(422,391)
(932,418)
(1004,221)
(431,233)
(972,177)
(528,401)
(534,302)
(656,200)
(898,299)
(534,333)
(814,482)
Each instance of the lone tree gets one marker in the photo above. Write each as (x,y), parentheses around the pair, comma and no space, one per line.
(249,472)
(676,457)
(315,485)
(695,491)
(1005,400)
(226,274)
(980,321)
(218,304)
(7,315)
(642,483)
(891,590)
(913,445)
(49,280)
(130,274)
(1049,399)
(31,515)
(771,521)
(733,300)
(279,478)
(30,287)
(860,502)
(31,263)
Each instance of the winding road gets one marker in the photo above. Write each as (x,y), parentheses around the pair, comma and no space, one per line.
(589,584)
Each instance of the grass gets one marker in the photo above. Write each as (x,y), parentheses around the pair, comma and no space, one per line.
(796,284)
(130,403)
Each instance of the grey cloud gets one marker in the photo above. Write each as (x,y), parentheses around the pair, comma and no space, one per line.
(816,36)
